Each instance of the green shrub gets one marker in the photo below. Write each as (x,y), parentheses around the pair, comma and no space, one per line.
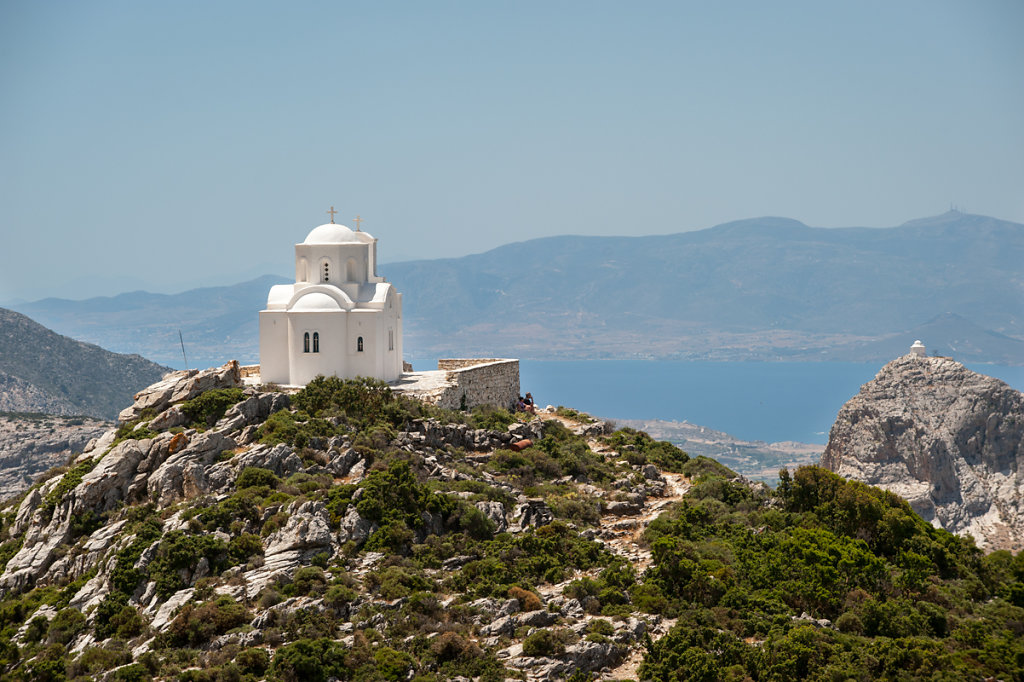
(251,477)
(491,418)
(68,482)
(177,552)
(65,626)
(253,661)
(206,409)
(545,642)
(195,625)
(96,659)
(308,660)
(244,546)
(392,665)
(307,580)
(131,673)
(638,447)
(575,415)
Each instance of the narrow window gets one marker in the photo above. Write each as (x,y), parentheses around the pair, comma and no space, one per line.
(359,344)
(305,342)
(316,342)
(391,340)
(327,272)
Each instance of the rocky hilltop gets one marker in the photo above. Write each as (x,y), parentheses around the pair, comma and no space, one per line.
(948,440)
(345,532)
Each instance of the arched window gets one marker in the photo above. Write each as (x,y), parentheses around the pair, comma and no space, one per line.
(391,339)
(359,344)
(327,272)
(316,342)
(305,342)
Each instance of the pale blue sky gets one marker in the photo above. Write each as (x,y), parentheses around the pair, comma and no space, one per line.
(169,145)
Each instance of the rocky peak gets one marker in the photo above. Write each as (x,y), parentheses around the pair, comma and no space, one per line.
(949,440)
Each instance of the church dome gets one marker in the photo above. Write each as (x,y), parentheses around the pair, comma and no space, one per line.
(316,301)
(332,233)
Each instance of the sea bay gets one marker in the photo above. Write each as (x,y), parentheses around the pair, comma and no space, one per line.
(768,401)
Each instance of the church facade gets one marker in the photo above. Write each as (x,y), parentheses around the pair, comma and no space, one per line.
(338,319)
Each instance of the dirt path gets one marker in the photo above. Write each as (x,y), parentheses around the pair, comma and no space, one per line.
(624,536)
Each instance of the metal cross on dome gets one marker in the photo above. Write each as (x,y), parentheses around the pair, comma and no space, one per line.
(332,212)
(358,221)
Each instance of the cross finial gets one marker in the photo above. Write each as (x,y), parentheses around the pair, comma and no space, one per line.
(358,221)
(332,212)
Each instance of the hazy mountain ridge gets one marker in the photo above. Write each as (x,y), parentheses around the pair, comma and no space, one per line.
(42,371)
(763,289)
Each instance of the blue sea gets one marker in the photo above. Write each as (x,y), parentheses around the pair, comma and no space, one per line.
(768,401)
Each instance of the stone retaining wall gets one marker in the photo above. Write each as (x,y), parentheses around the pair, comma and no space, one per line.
(482,382)
(462,363)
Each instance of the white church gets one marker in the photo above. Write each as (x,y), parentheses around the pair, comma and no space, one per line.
(338,319)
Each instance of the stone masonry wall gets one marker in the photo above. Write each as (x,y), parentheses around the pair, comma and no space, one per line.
(462,363)
(482,382)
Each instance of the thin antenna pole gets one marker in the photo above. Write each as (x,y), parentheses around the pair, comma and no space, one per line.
(182,340)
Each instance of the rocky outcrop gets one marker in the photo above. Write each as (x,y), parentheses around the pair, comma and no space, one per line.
(949,440)
(179,386)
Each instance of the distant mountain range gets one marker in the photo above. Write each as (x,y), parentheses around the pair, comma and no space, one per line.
(765,288)
(41,371)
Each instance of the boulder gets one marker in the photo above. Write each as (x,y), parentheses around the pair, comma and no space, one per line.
(281,459)
(183,474)
(253,410)
(355,528)
(308,528)
(533,512)
(495,511)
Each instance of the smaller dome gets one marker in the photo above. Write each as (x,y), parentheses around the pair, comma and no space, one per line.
(316,300)
(332,233)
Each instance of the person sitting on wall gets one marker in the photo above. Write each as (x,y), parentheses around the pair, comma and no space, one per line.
(520,405)
(529,405)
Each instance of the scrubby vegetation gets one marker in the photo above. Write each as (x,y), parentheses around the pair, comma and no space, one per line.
(828,579)
(820,579)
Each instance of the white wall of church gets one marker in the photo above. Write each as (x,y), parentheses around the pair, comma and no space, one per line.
(327,359)
(274,347)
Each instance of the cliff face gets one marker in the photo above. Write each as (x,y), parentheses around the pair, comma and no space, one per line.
(947,439)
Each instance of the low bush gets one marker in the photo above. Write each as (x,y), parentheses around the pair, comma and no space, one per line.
(528,601)
(545,642)
(195,625)
(250,477)
(206,409)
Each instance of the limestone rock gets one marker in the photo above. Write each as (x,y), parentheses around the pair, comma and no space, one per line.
(308,528)
(533,512)
(180,386)
(183,473)
(495,511)
(355,528)
(947,439)
(165,613)
(252,410)
(280,459)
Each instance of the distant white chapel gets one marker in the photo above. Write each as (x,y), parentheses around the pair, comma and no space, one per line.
(338,319)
